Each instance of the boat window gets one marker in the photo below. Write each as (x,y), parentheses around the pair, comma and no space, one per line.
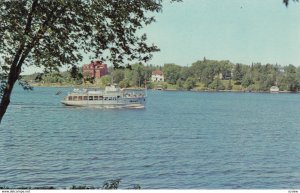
(70,98)
(80,98)
(85,98)
(109,98)
(90,98)
(105,98)
(100,97)
(75,98)
(96,98)
(118,96)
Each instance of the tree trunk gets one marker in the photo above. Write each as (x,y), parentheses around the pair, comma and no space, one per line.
(12,78)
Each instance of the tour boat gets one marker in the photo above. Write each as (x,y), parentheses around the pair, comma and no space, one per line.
(111,97)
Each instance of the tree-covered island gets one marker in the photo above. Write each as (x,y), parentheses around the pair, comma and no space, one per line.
(203,75)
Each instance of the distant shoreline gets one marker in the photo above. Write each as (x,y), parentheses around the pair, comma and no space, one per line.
(169,90)
(233,91)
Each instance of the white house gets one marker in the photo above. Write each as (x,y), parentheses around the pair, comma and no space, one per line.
(157,76)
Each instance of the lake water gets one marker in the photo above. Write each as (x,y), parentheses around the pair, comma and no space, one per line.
(181,140)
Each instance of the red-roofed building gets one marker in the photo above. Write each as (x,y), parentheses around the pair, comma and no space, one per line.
(95,69)
(157,76)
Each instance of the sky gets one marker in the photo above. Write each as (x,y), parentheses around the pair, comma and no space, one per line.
(242,31)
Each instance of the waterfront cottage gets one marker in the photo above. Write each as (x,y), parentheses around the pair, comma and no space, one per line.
(157,76)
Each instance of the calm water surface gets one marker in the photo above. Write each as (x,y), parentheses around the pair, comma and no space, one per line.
(182,140)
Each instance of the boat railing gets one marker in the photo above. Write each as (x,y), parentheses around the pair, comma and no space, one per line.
(134,94)
(128,93)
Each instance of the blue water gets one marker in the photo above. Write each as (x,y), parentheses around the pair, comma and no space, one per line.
(182,140)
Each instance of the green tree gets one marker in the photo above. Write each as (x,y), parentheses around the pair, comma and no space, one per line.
(88,78)
(229,86)
(76,74)
(138,76)
(290,80)
(51,34)
(217,84)
(247,80)
(53,77)
(206,70)
(290,69)
(171,73)
(190,83)
(197,68)
(124,83)
(186,72)
(105,80)
(207,75)
(128,74)
(225,68)
(238,73)
(292,83)
(266,82)
(179,83)
(118,75)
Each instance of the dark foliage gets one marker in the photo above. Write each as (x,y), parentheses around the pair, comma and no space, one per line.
(111,184)
(286,2)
